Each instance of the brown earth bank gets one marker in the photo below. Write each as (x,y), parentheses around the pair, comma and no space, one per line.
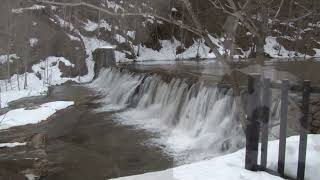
(78,143)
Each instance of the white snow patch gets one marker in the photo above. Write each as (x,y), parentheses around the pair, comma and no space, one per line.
(91,26)
(114,6)
(91,44)
(62,23)
(4,58)
(19,117)
(31,177)
(73,38)
(50,72)
(50,75)
(15,90)
(275,50)
(131,34)
(34,7)
(119,38)
(33,41)
(11,145)
(231,166)
(168,51)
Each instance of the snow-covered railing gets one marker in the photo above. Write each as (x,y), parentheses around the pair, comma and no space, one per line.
(258,110)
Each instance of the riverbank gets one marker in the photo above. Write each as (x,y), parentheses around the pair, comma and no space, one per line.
(77,143)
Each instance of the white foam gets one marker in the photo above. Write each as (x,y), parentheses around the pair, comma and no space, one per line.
(193,121)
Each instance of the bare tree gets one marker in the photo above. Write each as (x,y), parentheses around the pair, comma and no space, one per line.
(197,29)
(256,15)
(0,97)
(9,39)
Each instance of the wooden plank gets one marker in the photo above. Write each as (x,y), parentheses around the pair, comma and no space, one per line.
(253,125)
(304,130)
(283,126)
(266,104)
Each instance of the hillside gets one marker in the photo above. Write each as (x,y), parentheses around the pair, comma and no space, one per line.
(162,30)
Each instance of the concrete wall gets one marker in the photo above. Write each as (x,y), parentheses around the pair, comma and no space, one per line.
(103,57)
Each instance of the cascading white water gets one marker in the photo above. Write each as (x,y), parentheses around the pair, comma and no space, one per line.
(193,121)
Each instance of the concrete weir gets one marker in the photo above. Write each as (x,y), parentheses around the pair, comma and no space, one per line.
(103,57)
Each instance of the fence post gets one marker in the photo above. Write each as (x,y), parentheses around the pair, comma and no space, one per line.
(304,121)
(253,124)
(266,103)
(283,126)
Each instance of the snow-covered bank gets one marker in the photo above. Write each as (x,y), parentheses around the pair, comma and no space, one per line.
(45,74)
(19,117)
(11,145)
(231,167)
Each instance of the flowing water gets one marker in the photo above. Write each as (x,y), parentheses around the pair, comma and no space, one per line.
(193,120)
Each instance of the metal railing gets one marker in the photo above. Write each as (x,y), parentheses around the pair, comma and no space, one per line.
(258,110)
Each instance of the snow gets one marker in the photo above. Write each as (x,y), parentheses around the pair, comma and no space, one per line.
(49,70)
(62,23)
(231,166)
(275,50)
(131,34)
(91,26)
(91,44)
(11,145)
(50,75)
(21,10)
(119,38)
(12,92)
(113,5)
(168,51)
(31,176)
(107,47)
(73,38)
(4,58)
(19,117)
(33,41)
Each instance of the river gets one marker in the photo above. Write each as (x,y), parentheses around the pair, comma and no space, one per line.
(140,118)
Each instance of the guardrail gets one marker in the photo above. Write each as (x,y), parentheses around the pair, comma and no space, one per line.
(258,110)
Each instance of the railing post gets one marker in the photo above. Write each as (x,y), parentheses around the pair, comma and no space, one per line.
(266,103)
(304,121)
(253,124)
(283,126)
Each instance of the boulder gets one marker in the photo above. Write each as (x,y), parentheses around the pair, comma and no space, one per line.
(39,140)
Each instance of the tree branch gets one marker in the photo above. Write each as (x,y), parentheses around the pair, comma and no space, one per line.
(177,23)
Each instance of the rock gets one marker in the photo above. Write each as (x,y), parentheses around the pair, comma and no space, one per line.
(41,168)
(315,101)
(316,123)
(39,140)
(316,116)
(315,109)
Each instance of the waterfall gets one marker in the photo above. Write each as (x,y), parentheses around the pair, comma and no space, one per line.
(194,121)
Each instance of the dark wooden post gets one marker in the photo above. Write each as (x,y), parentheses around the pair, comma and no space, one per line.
(304,121)
(266,103)
(253,124)
(283,126)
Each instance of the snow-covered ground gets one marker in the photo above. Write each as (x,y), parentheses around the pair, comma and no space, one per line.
(275,50)
(231,167)
(45,74)
(19,117)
